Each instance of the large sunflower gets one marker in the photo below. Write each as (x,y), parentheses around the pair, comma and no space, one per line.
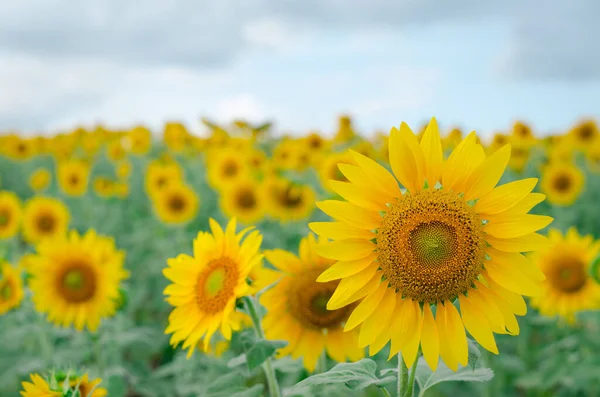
(73,177)
(205,287)
(38,387)
(10,214)
(245,201)
(450,236)
(11,288)
(44,217)
(562,182)
(569,286)
(296,308)
(75,279)
(176,204)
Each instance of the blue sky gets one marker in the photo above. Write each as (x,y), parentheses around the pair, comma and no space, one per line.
(383,62)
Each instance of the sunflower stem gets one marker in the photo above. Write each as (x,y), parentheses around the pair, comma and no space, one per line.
(385,392)
(411,380)
(402,376)
(322,364)
(45,345)
(267,365)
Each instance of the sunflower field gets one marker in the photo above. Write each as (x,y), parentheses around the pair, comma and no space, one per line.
(229,262)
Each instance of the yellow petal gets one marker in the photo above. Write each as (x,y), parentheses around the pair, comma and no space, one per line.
(346,250)
(365,308)
(430,341)
(518,285)
(411,348)
(378,175)
(456,334)
(517,225)
(477,325)
(487,174)
(343,269)
(461,163)
(515,301)
(504,197)
(284,260)
(529,242)
(339,231)
(431,144)
(406,158)
(357,196)
(353,288)
(358,177)
(402,324)
(372,327)
(445,351)
(351,214)
(516,264)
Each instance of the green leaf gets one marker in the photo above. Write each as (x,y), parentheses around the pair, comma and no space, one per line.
(427,379)
(257,351)
(358,375)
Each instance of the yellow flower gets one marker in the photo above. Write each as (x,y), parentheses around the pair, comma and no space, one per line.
(284,155)
(451,234)
(314,142)
(519,155)
(38,387)
(121,189)
(11,288)
(345,131)
(593,157)
(245,201)
(584,134)
(175,136)
(297,313)
(452,140)
(75,279)
(569,287)
(205,287)
(138,140)
(115,151)
(562,182)
(161,174)
(288,201)
(44,217)
(176,204)
(85,387)
(123,170)
(103,186)
(10,214)
(40,179)
(522,131)
(19,149)
(225,167)
(73,177)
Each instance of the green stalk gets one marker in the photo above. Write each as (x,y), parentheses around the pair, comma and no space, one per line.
(411,380)
(385,392)
(267,365)
(402,375)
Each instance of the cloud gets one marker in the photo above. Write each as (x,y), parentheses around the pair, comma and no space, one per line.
(556,41)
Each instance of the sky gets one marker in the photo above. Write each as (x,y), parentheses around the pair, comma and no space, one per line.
(474,64)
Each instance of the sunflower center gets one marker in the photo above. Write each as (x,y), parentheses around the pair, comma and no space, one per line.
(315,142)
(177,203)
(230,168)
(216,285)
(431,246)
(4,217)
(160,182)
(246,199)
(307,302)
(74,180)
(586,133)
(562,182)
(6,291)
(290,199)
(77,282)
(46,223)
(568,275)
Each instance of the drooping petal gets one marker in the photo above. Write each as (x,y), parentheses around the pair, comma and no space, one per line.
(477,325)
(430,341)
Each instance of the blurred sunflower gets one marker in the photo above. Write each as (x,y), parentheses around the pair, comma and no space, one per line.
(284,154)
(115,151)
(19,149)
(38,387)
(138,140)
(205,287)
(225,167)
(584,134)
(10,214)
(288,201)
(176,204)
(103,186)
(123,170)
(73,177)
(569,286)
(11,288)
(44,217)
(499,140)
(244,201)
(161,174)
(522,131)
(175,136)
(451,235)
(39,180)
(454,137)
(85,386)
(345,131)
(297,312)
(315,142)
(75,279)
(329,171)
(562,182)
(520,154)
(593,157)
(121,190)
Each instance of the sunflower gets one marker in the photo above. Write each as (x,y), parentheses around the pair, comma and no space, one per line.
(115,151)
(39,180)
(176,204)
(288,201)
(297,313)
(562,182)
(85,387)
(452,139)
(175,136)
(75,279)
(519,155)
(284,154)
(123,170)
(245,201)
(205,287)
(345,130)
(38,387)
(315,142)
(451,235)
(103,186)
(569,286)
(584,134)
(11,288)
(161,174)
(10,214)
(593,157)
(19,149)
(121,190)
(225,167)
(44,217)
(522,131)
(73,177)
(329,171)
(138,140)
